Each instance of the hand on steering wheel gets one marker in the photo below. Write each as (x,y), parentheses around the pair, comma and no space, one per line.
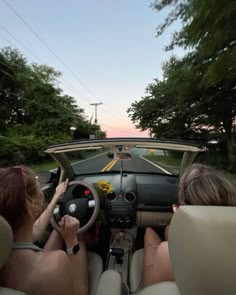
(69,229)
(79,207)
(60,189)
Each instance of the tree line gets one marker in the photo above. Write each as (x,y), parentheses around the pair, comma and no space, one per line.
(34,111)
(196,98)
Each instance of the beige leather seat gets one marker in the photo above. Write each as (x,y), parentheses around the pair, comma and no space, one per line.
(6,240)
(136,271)
(202,243)
(95,265)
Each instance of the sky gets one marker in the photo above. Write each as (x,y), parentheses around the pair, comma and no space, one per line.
(107,51)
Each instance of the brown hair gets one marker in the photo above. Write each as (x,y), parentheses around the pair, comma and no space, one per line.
(18,188)
(203,185)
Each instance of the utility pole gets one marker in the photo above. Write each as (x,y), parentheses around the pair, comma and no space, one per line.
(96,105)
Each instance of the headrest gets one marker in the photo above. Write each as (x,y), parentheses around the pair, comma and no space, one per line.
(6,240)
(202,245)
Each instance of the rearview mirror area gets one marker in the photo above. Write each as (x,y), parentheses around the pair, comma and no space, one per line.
(120,156)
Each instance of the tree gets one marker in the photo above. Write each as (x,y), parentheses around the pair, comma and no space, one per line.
(209,29)
(168,108)
(85,129)
(180,107)
(12,68)
(30,97)
(34,110)
(198,93)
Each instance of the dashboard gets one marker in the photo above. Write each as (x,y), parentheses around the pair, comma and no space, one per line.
(133,194)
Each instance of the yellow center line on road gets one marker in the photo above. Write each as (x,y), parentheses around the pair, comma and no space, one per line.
(109,166)
(104,169)
(114,161)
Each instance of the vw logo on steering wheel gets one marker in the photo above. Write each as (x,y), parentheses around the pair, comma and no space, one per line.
(72,208)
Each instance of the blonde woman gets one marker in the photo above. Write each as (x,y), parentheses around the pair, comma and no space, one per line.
(199,185)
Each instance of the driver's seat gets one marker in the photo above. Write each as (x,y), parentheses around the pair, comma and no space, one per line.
(95,265)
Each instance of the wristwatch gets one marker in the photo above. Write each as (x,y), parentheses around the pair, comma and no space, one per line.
(73,250)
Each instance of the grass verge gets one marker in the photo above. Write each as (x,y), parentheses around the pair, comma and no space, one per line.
(169,163)
(41,167)
(49,165)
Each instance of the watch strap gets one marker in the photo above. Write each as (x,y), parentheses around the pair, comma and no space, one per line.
(73,250)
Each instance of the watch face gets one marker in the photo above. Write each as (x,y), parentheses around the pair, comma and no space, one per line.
(76,248)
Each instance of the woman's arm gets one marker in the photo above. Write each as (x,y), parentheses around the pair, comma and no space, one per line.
(78,261)
(42,222)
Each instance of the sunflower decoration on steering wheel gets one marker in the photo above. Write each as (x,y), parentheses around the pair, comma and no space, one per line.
(104,187)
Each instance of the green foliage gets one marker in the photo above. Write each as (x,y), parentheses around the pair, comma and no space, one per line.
(85,129)
(209,28)
(197,95)
(10,153)
(34,110)
(26,150)
(170,108)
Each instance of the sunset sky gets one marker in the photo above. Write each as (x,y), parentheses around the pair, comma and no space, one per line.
(109,47)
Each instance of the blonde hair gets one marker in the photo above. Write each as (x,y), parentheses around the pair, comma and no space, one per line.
(203,185)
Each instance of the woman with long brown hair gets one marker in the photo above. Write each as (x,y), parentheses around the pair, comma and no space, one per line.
(29,268)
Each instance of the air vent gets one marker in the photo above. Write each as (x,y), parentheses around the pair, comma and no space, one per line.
(111,196)
(130,197)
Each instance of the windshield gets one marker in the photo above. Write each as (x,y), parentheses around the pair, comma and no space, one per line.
(142,160)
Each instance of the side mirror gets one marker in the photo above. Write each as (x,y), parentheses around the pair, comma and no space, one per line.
(46,177)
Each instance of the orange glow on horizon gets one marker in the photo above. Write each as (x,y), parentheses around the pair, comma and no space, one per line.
(125,132)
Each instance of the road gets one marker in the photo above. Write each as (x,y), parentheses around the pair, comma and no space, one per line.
(102,163)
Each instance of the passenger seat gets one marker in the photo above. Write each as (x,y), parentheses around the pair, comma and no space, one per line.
(202,243)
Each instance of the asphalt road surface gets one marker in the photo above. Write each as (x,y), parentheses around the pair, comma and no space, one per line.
(102,163)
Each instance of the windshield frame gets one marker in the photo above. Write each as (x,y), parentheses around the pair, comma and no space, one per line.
(59,152)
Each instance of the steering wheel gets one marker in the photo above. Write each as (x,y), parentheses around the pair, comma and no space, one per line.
(79,207)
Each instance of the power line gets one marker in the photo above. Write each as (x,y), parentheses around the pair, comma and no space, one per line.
(4,38)
(19,42)
(39,104)
(69,86)
(34,102)
(58,58)
(24,98)
(114,114)
(45,44)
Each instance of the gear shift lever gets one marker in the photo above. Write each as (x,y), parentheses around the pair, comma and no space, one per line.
(118,253)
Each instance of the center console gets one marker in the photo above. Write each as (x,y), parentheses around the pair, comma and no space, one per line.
(121,209)
(119,255)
